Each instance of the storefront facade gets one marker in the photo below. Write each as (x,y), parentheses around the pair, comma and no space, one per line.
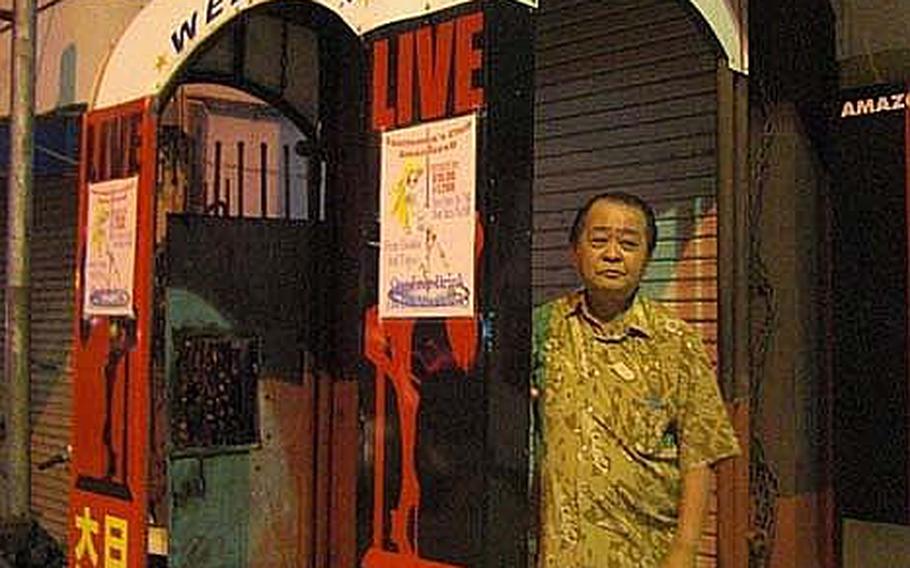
(412,444)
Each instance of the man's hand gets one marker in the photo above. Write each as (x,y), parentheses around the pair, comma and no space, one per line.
(696,484)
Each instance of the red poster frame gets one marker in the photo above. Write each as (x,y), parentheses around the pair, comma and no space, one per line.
(107,523)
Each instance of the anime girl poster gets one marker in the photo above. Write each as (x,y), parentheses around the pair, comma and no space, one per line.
(427,203)
(110,256)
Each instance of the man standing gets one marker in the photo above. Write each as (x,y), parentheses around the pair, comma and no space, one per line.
(630,418)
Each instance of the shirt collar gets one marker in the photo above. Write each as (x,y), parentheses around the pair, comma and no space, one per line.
(633,321)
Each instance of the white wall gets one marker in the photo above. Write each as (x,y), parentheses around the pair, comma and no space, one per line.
(73,39)
(229,130)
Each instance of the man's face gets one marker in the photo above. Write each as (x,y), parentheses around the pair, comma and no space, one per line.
(612,250)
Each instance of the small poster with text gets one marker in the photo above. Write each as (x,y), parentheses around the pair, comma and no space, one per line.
(427,214)
(111,247)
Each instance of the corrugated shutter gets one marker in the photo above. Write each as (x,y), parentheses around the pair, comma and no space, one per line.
(626,99)
(53,261)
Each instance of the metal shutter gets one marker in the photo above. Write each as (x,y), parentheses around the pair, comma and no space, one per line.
(626,99)
(53,261)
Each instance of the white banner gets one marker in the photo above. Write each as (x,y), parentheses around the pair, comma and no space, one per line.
(427,215)
(111,244)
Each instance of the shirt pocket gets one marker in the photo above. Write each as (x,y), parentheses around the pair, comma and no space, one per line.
(655,436)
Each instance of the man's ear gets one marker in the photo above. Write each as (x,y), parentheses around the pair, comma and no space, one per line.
(573,256)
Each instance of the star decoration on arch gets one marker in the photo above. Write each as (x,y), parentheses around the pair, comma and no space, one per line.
(161,62)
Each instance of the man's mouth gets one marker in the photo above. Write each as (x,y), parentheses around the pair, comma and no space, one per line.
(612,273)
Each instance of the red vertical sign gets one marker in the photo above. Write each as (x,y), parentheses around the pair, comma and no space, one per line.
(434,70)
(111,358)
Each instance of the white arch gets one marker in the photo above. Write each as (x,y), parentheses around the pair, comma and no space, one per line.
(730,26)
(165,33)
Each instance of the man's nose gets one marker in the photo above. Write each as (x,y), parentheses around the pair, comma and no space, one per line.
(612,251)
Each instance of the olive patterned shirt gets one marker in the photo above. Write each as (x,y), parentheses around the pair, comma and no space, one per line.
(623,409)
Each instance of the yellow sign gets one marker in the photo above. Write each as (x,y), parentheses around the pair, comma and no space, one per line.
(115,541)
(88,528)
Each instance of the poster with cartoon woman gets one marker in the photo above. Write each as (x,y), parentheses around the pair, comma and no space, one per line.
(111,250)
(426,259)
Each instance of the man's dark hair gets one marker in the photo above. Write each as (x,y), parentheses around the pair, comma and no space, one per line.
(617,197)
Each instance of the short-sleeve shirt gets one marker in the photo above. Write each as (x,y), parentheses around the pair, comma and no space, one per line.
(624,409)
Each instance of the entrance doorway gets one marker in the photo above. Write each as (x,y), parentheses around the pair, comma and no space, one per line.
(254,432)
(235,385)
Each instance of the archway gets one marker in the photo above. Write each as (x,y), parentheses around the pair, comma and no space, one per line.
(162,36)
(241,169)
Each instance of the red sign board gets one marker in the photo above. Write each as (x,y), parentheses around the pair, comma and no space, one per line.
(434,67)
(417,75)
(111,355)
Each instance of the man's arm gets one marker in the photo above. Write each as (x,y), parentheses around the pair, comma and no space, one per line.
(706,437)
(696,484)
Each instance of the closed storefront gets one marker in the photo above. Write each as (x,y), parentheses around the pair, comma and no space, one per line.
(258,142)
(627,100)
(53,234)
(53,261)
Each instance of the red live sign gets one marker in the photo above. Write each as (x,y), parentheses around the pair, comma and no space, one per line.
(444,85)
(107,525)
